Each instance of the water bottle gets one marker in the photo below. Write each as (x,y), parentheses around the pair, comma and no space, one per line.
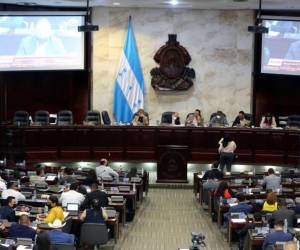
(253,171)
(250,182)
(45,209)
(4,161)
(142,171)
(285,226)
(102,186)
(34,193)
(247,190)
(134,187)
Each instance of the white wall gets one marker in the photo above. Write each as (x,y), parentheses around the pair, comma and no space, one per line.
(218,42)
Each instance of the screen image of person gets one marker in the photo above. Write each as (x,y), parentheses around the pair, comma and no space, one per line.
(42,42)
(280,52)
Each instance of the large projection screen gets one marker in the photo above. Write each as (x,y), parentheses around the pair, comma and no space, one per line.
(44,42)
(281,47)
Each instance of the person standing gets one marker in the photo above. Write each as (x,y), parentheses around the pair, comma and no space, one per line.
(226,151)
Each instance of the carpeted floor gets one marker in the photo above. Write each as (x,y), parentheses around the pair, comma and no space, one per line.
(165,221)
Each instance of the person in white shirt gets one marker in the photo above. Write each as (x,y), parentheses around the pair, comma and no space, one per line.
(2,185)
(226,151)
(12,191)
(39,177)
(71,196)
(105,171)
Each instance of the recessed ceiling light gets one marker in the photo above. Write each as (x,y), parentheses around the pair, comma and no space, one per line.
(116,4)
(174,2)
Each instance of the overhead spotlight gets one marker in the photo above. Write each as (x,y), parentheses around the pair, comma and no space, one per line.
(116,4)
(174,2)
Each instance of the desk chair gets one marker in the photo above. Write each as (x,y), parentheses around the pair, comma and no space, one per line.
(21,118)
(166,117)
(62,247)
(41,117)
(105,118)
(93,234)
(93,117)
(65,117)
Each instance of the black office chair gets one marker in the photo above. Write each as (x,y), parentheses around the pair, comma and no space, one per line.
(62,247)
(41,117)
(93,234)
(93,117)
(282,121)
(65,117)
(293,121)
(105,118)
(21,118)
(166,117)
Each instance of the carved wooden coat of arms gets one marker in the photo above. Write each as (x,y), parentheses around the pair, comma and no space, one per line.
(173,73)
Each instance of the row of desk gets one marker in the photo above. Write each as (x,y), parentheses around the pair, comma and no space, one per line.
(290,189)
(52,143)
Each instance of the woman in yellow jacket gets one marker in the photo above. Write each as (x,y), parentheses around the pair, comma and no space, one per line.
(56,211)
(270,205)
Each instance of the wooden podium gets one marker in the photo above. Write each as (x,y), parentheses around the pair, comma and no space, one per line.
(172,163)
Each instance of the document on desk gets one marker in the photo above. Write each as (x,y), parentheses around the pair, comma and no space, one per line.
(238,220)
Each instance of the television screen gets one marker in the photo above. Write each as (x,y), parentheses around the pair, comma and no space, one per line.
(41,43)
(281,47)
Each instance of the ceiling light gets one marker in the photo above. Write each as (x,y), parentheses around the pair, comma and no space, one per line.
(116,4)
(174,2)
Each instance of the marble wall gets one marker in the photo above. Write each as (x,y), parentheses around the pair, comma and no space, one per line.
(217,40)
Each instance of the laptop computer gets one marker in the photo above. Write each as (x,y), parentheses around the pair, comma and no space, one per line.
(72,209)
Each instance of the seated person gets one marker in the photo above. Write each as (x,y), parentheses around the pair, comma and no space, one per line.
(132,172)
(214,171)
(241,207)
(90,178)
(56,211)
(241,121)
(7,212)
(211,182)
(2,184)
(218,120)
(12,190)
(195,119)
(278,236)
(67,176)
(140,118)
(268,121)
(272,182)
(57,236)
(95,214)
(103,170)
(95,194)
(290,245)
(22,229)
(226,150)
(243,233)
(270,205)
(175,118)
(39,177)
(71,195)
(224,191)
(284,213)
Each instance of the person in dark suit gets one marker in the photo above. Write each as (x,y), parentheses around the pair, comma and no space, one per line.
(278,236)
(241,121)
(22,229)
(214,171)
(171,118)
(7,212)
(95,194)
(241,207)
(284,213)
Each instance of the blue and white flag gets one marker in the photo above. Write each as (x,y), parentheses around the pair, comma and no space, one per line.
(129,84)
